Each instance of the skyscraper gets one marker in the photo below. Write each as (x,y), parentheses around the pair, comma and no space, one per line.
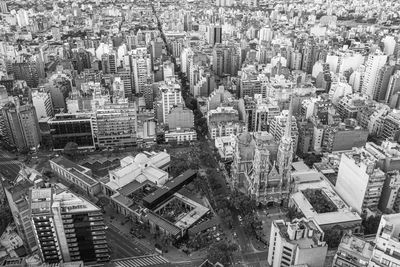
(67,227)
(214,34)
(41,100)
(140,64)
(22,125)
(374,63)
(3,6)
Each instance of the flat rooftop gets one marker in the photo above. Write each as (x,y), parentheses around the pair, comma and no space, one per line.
(315,180)
(194,215)
(67,164)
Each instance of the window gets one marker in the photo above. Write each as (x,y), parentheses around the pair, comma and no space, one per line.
(385,262)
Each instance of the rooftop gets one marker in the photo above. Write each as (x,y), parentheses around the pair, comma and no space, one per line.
(314,180)
(355,248)
(305,233)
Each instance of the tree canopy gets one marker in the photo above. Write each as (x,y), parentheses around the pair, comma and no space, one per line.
(221,252)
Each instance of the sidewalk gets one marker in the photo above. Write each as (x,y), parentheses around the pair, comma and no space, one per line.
(123,225)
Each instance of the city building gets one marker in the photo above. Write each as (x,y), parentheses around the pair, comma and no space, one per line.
(140,67)
(67,227)
(314,197)
(76,128)
(22,127)
(374,63)
(344,136)
(349,106)
(387,242)
(180,117)
(225,146)
(42,102)
(353,251)
(300,243)
(115,125)
(78,175)
(360,181)
(391,126)
(16,187)
(278,127)
(169,95)
(224,121)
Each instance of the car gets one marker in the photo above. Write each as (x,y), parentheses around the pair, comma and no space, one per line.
(106,227)
(234,234)
(240,218)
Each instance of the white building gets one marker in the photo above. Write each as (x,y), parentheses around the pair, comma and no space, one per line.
(143,167)
(387,248)
(359,181)
(298,243)
(41,100)
(225,146)
(339,214)
(171,96)
(141,68)
(374,63)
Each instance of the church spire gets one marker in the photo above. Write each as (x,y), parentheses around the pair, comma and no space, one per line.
(288,128)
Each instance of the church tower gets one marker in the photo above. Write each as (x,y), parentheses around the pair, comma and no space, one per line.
(285,150)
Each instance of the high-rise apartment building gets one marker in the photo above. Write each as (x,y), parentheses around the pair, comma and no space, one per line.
(170,95)
(392,92)
(382,82)
(140,65)
(67,227)
(22,125)
(3,6)
(43,104)
(214,34)
(387,243)
(280,123)
(391,126)
(16,187)
(374,63)
(360,181)
(115,125)
(27,70)
(300,243)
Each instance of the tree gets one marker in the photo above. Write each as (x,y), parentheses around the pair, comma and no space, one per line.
(221,252)
(71,149)
(333,237)
(371,224)
(294,214)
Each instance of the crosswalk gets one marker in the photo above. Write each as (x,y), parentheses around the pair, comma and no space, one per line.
(142,261)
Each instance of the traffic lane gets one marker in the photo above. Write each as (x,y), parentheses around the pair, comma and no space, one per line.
(243,241)
(9,167)
(122,247)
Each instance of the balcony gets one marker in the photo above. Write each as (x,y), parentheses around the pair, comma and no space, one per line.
(72,244)
(96,218)
(99,242)
(99,237)
(103,246)
(100,251)
(96,213)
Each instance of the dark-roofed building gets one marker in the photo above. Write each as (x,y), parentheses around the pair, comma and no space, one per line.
(75,174)
(160,195)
